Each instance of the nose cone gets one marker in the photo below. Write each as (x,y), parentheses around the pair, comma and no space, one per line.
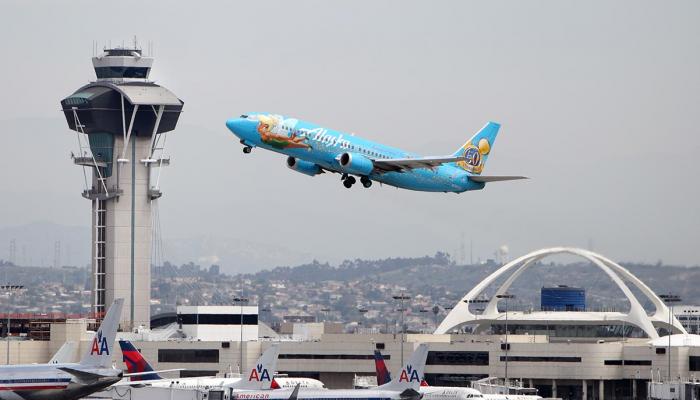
(236,125)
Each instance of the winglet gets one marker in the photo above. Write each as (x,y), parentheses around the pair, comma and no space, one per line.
(99,353)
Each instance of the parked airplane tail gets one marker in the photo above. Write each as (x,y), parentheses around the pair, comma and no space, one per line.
(477,149)
(136,363)
(64,355)
(99,353)
(261,374)
(383,375)
(411,374)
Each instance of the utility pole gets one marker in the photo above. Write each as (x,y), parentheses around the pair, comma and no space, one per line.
(401,298)
(240,300)
(670,299)
(506,296)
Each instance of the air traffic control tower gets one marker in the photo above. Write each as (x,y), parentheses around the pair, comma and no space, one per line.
(120,121)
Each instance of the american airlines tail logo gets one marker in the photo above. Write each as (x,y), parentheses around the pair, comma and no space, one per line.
(409,374)
(99,345)
(259,374)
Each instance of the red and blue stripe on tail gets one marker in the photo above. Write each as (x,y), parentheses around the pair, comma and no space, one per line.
(135,362)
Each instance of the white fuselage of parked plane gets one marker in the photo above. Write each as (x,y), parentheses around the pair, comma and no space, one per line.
(47,381)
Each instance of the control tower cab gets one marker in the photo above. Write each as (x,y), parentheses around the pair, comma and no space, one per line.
(121,120)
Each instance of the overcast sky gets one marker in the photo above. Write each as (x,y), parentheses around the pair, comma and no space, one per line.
(598,101)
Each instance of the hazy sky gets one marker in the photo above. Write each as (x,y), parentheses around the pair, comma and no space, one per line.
(598,101)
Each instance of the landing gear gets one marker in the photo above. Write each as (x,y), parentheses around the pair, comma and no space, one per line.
(349,181)
(366,182)
(247,149)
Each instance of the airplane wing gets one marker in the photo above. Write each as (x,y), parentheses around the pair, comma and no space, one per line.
(82,377)
(486,179)
(404,164)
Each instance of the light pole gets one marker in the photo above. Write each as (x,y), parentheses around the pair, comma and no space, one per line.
(9,289)
(401,298)
(506,296)
(670,299)
(240,301)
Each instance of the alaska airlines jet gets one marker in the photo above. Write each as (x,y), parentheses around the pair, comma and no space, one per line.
(312,150)
(64,381)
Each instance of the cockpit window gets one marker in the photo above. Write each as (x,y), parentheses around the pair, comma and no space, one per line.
(243,116)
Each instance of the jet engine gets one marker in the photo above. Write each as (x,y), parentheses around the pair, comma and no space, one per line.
(302,166)
(356,164)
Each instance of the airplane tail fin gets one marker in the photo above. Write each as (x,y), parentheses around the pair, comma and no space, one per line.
(136,363)
(99,353)
(64,355)
(476,150)
(411,374)
(383,375)
(261,374)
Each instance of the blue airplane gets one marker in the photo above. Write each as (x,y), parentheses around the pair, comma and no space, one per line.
(312,150)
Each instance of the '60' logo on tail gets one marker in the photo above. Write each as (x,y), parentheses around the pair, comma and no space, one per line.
(409,374)
(259,374)
(99,345)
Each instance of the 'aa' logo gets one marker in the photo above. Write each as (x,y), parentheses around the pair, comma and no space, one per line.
(99,345)
(409,374)
(259,374)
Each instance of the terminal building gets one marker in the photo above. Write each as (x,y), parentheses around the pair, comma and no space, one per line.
(578,355)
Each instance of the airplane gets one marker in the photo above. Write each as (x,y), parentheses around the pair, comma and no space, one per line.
(444,392)
(312,150)
(405,388)
(137,364)
(67,381)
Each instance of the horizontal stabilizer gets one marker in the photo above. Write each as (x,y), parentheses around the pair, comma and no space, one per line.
(82,377)
(486,179)
(160,371)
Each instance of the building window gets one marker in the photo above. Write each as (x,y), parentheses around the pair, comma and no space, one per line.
(379,346)
(457,358)
(627,362)
(694,363)
(541,359)
(329,357)
(218,319)
(192,373)
(188,356)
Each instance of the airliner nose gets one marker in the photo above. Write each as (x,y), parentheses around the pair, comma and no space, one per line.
(235,125)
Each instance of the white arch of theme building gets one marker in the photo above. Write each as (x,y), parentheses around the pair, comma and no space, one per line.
(637,316)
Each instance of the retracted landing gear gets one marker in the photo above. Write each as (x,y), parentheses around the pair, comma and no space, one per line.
(366,182)
(349,181)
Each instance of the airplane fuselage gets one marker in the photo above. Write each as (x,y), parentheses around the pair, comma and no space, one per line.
(323,147)
(46,381)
